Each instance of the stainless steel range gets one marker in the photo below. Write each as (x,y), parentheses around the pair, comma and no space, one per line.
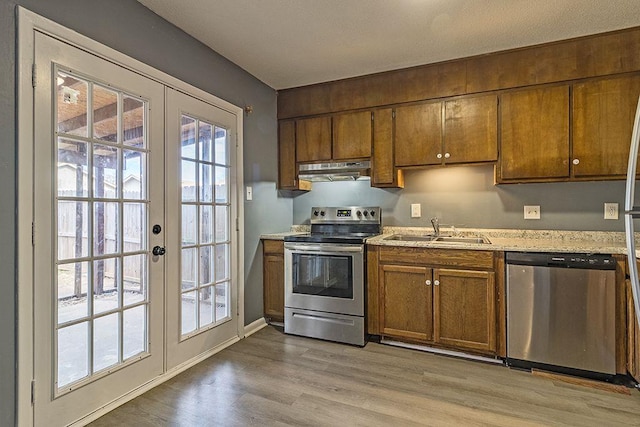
(325,274)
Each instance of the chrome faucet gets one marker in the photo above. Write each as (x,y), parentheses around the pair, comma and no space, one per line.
(436,225)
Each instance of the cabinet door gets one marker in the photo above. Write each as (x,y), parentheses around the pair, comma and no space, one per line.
(471,130)
(406,302)
(419,135)
(603,113)
(287,155)
(464,309)
(273,280)
(535,134)
(633,336)
(313,139)
(383,172)
(352,136)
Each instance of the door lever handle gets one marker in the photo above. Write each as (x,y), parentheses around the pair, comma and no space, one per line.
(158,250)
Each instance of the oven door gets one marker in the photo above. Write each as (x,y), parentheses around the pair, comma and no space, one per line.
(325,277)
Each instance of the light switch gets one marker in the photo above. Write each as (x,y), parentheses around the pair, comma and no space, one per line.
(249,193)
(416,210)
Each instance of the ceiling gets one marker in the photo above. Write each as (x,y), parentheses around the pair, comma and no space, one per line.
(289,43)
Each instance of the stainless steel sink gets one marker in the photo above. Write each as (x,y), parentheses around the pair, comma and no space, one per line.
(410,238)
(459,239)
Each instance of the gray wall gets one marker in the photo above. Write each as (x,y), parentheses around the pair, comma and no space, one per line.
(129,27)
(465,196)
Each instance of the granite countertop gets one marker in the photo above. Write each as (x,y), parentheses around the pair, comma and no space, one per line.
(604,242)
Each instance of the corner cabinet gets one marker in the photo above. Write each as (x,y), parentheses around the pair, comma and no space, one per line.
(273,280)
(444,297)
(287,170)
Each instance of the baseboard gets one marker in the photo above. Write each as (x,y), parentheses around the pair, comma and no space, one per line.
(254,327)
(151,384)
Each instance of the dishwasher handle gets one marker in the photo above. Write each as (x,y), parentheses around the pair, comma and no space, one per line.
(563,260)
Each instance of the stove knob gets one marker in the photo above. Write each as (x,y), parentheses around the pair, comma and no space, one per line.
(359,214)
(366,213)
(316,213)
(373,213)
(321,213)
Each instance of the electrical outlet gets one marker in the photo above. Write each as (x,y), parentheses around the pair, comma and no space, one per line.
(610,211)
(416,210)
(532,212)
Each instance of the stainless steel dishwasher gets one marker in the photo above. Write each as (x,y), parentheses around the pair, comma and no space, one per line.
(561,312)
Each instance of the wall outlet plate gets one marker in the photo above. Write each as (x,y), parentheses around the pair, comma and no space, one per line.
(610,211)
(416,210)
(531,212)
(249,193)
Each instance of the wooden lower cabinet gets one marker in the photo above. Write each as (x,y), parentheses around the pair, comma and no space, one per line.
(431,296)
(273,280)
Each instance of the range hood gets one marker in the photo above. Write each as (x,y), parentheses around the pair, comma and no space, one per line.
(344,171)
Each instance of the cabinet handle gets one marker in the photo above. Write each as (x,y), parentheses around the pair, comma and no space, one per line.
(428,282)
(439,155)
(576,161)
(447,155)
(436,282)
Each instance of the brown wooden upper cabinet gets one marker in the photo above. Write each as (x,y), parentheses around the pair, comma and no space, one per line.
(471,130)
(352,136)
(313,139)
(603,114)
(383,171)
(287,155)
(534,134)
(418,138)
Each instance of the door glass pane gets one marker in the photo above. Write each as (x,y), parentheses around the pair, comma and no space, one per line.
(188,312)
(106,284)
(101,229)
(222,157)
(205,132)
(134,330)
(105,114)
(206,306)
(189,268)
(206,224)
(222,223)
(222,301)
(73,282)
(189,224)
(73,170)
(222,185)
(105,168)
(106,236)
(133,163)
(133,121)
(106,341)
(71,103)
(222,262)
(188,137)
(206,183)
(206,265)
(134,215)
(188,181)
(134,271)
(73,229)
(73,353)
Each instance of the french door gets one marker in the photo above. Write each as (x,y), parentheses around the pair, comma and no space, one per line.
(135,270)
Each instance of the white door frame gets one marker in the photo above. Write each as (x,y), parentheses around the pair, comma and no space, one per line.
(28,24)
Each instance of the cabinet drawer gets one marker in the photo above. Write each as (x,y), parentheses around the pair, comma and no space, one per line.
(441,257)
(273,246)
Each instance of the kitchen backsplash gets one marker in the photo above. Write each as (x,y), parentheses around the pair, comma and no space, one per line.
(465,196)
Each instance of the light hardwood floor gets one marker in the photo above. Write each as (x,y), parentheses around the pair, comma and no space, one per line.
(272,379)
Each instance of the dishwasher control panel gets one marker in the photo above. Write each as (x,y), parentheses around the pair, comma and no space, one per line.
(563,260)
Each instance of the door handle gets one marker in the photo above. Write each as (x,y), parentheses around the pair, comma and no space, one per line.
(158,250)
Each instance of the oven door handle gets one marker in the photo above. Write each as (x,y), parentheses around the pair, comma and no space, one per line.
(325,248)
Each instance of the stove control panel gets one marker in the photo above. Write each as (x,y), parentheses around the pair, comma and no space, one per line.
(348,214)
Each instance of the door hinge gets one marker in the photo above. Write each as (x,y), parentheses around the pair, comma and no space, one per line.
(33,391)
(34,78)
(237,224)
(33,234)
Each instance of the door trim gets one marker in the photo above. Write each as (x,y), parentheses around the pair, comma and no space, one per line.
(28,24)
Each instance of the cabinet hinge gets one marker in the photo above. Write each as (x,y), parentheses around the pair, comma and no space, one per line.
(393,114)
(34,78)
(371,116)
(33,391)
